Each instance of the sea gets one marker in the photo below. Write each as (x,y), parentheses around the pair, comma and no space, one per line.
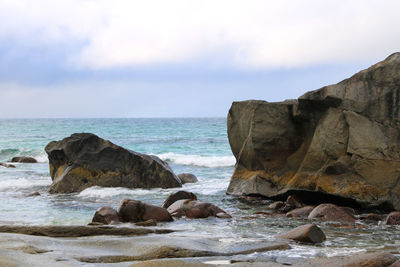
(189,145)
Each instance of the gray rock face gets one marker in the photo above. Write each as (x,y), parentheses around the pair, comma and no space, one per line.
(84,160)
(341,140)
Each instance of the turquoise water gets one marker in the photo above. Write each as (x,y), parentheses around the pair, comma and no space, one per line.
(198,146)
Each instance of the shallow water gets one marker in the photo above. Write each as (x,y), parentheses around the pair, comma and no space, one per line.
(198,146)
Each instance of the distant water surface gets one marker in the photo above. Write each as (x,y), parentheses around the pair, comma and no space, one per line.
(199,146)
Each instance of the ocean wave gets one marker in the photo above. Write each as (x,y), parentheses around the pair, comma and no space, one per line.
(106,192)
(23,183)
(197,160)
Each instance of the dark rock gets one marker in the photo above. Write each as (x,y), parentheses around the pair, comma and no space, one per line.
(187,178)
(7,165)
(178,196)
(393,218)
(150,222)
(78,231)
(342,140)
(371,217)
(34,194)
(24,159)
(106,215)
(309,233)
(300,212)
(277,205)
(84,160)
(330,212)
(136,211)
(292,202)
(194,209)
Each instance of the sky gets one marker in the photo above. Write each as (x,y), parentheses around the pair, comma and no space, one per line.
(181,58)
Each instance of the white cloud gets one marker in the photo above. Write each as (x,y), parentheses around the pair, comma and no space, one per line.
(242,33)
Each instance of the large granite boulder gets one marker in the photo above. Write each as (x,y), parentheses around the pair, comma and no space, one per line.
(83,160)
(341,141)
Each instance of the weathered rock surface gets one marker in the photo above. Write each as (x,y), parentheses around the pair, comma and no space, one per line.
(84,160)
(178,196)
(309,233)
(187,178)
(196,209)
(24,159)
(136,211)
(106,215)
(78,231)
(342,140)
(330,212)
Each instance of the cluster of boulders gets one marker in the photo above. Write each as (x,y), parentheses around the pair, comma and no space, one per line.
(179,204)
(294,208)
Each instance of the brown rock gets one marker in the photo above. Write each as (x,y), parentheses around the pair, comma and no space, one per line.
(395,264)
(34,194)
(371,217)
(187,178)
(330,212)
(106,215)
(277,205)
(84,160)
(178,196)
(309,233)
(150,222)
(194,209)
(341,140)
(7,165)
(24,159)
(393,218)
(300,212)
(136,211)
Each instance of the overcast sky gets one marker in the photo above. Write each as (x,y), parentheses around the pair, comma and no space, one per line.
(94,58)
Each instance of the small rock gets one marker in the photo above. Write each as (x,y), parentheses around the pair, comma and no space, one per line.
(194,209)
(187,178)
(24,159)
(276,205)
(393,218)
(294,201)
(34,194)
(136,211)
(178,196)
(300,212)
(309,233)
(371,217)
(150,222)
(106,215)
(7,165)
(331,212)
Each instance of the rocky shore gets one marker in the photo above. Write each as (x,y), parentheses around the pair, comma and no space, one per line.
(327,164)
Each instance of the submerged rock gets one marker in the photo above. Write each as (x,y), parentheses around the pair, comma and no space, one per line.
(84,160)
(330,212)
(106,215)
(277,206)
(341,140)
(309,233)
(24,159)
(7,165)
(194,209)
(178,196)
(371,217)
(136,211)
(187,178)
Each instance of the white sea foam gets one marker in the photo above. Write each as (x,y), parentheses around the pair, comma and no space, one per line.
(105,192)
(197,160)
(23,183)
(42,157)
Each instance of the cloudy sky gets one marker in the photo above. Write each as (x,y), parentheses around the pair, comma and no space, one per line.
(188,58)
